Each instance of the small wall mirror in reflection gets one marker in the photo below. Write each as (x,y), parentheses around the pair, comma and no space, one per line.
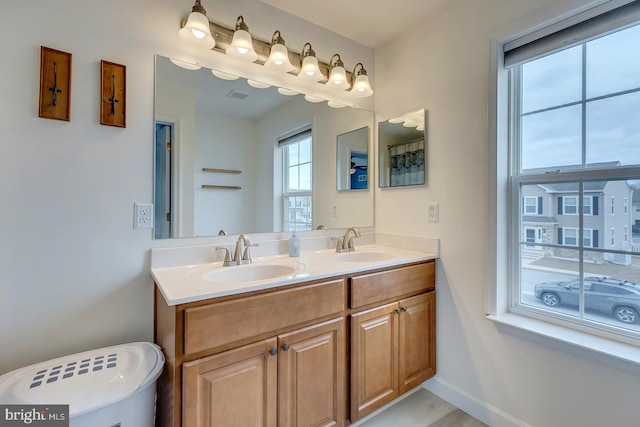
(402,150)
(352,167)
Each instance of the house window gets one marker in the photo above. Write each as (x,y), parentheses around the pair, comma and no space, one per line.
(533,205)
(626,233)
(574,98)
(569,237)
(626,205)
(297,163)
(613,205)
(570,206)
(613,237)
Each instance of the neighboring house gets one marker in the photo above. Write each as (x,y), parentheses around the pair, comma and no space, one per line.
(550,215)
(635,211)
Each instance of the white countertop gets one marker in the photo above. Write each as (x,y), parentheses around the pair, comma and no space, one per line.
(189,283)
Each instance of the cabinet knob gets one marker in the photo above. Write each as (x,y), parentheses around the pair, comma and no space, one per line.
(397,311)
(273,351)
(285,347)
(404,309)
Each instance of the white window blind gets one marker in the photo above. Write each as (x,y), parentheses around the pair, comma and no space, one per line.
(569,33)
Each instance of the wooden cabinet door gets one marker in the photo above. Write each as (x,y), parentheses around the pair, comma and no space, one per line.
(311,375)
(417,340)
(374,359)
(234,388)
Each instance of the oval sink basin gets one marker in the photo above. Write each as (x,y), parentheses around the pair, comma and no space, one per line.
(248,273)
(365,256)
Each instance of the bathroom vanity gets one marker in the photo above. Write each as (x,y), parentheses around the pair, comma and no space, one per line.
(324,345)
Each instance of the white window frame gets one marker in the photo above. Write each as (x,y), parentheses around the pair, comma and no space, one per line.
(585,342)
(285,143)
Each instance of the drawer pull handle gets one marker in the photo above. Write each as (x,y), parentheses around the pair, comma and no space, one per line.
(404,309)
(285,347)
(273,351)
(397,311)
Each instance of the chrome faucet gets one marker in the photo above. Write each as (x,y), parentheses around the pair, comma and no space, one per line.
(239,256)
(243,257)
(345,243)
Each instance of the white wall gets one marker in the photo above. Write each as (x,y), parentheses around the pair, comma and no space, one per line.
(74,275)
(225,143)
(444,67)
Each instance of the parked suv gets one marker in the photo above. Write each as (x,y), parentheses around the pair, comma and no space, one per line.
(619,298)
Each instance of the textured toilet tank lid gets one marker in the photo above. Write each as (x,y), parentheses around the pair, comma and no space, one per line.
(85,381)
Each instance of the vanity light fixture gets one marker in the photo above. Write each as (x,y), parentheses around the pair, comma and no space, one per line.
(241,46)
(279,55)
(224,76)
(337,74)
(185,64)
(361,87)
(196,30)
(309,69)
(257,84)
(286,92)
(334,104)
(313,99)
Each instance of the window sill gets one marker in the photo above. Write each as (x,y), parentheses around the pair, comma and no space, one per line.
(625,357)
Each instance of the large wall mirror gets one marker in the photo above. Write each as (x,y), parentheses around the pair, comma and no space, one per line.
(403,150)
(220,157)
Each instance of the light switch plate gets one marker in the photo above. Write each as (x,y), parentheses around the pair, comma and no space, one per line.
(142,216)
(433,214)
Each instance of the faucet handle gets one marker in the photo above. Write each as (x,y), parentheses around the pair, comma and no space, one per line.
(246,257)
(227,256)
(339,246)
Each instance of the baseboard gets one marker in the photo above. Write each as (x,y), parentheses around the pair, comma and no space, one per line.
(483,411)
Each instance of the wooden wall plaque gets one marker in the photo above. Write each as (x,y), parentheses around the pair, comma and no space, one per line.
(113,94)
(55,84)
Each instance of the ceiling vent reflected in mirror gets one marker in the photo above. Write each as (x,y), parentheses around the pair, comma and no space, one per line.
(234,94)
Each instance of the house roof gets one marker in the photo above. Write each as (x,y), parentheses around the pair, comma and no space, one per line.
(539,219)
(572,187)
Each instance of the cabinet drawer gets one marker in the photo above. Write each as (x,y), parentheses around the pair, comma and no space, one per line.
(218,324)
(392,284)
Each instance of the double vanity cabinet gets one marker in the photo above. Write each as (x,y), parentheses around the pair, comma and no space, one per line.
(323,352)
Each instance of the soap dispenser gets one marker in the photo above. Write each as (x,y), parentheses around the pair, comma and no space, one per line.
(294,245)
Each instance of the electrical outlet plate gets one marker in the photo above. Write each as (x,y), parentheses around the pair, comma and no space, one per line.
(142,216)
(433,214)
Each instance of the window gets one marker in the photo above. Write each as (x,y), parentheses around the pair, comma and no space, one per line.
(613,237)
(297,163)
(568,205)
(626,233)
(574,105)
(533,205)
(569,236)
(613,205)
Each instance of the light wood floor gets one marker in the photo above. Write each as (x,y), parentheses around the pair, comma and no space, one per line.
(422,409)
